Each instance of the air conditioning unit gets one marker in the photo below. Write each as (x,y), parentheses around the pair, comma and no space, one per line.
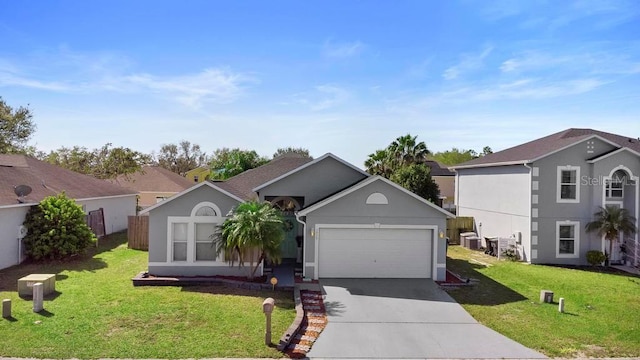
(22,231)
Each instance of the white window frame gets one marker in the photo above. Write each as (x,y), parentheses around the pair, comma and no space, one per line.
(576,239)
(191,222)
(609,189)
(559,198)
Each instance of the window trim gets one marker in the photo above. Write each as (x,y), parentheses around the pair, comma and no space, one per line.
(576,239)
(191,222)
(559,184)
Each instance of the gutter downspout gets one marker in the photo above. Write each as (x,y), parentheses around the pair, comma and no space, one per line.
(304,243)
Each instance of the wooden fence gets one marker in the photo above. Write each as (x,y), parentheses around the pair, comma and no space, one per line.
(138,232)
(95,220)
(458,225)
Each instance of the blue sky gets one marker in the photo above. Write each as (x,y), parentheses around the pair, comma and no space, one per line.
(345,77)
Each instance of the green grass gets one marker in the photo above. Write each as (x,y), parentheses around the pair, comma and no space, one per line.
(602,310)
(97,313)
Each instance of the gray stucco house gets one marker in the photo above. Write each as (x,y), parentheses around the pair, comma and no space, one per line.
(545,191)
(341,223)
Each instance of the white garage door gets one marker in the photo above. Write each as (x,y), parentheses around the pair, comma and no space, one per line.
(374,253)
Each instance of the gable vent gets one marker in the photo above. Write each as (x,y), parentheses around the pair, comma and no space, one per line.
(377,199)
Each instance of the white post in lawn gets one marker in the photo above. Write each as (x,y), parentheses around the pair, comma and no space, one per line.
(561,305)
(267,308)
(6,308)
(38,297)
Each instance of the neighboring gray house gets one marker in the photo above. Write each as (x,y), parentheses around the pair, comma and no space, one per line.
(46,180)
(341,222)
(545,191)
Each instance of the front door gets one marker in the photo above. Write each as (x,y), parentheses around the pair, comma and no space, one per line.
(289,246)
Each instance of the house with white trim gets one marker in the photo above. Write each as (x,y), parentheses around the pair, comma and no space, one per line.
(544,192)
(340,223)
(43,179)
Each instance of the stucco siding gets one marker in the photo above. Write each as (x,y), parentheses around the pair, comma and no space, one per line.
(551,211)
(402,209)
(116,211)
(12,218)
(181,206)
(314,182)
(498,198)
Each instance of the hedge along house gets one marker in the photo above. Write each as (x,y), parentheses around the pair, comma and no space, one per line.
(545,191)
(340,222)
(46,180)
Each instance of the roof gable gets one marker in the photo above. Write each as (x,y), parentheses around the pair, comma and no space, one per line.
(199,185)
(364,183)
(46,180)
(243,184)
(612,153)
(309,164)
(548,145)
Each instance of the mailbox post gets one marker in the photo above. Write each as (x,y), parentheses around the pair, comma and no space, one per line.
(267,309)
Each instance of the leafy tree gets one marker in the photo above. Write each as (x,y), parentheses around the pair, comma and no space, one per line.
(458,156)
(254,229)
(56,228)
(454,156)
(16,128)
(417,179)
(226,162)
(288,150)
(181,158)
(403,161)
(103,163)
(610,222)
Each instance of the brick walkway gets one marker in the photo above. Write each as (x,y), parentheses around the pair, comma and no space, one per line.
(315,319)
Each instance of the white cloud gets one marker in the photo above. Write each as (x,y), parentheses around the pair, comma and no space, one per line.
(574,61)
(211,85)
(558,14)
(323,97)
(468,63)
(343,50)
(85,73)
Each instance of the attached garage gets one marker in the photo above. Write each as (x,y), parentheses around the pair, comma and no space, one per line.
(374,229)
(352,251)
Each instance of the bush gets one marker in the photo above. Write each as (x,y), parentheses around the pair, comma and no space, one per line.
(56,228)
(595,257)
(510,254)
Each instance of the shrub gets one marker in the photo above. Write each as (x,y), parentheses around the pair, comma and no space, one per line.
(56,228)
(595,257)
(510,254)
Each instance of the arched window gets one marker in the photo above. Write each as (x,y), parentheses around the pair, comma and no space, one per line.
(190,237)
(615,186)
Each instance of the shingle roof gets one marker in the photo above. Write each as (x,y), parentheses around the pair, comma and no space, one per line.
(544,146)
(438,170)
(154,178)
(242,185)
(46,180)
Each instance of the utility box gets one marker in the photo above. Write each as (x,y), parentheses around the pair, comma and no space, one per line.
(25,284)
(546,296)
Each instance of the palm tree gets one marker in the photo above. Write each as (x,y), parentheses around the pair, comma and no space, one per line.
(379,163)
(254,229)
(611,221)
(406,150)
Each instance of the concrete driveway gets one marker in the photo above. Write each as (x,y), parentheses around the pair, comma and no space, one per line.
(404,318)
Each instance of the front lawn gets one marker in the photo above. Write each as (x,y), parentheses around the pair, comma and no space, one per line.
(97,313)
(602,311)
